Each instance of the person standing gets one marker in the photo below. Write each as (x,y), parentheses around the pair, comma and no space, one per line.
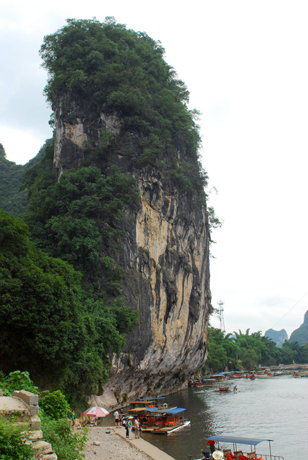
(211,443)
(125,420)
(130,427)
(117,419)
(137,428)
(73,418)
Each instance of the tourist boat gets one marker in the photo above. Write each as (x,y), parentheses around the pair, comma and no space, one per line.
(158,421)
(297,374)
(224,388)
(204,383)
(208,382)
(147,402)
(221,376)
(267,375)
(250,376)
(235,453)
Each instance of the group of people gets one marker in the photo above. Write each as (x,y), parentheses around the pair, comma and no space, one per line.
(128,422)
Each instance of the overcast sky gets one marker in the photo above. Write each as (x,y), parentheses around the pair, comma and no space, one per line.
(245,65)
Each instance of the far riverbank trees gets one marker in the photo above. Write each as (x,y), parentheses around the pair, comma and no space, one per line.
(248,351)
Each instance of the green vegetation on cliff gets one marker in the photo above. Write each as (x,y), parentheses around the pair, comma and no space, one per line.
(61,283)
(48,324)
(71,218)
(113,70)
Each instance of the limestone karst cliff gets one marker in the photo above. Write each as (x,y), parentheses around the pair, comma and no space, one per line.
(164,244)
(165,252)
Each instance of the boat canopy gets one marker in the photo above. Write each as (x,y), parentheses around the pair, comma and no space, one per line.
(148,409)
(142,409)
(173,411)
(151,399)
(208,380)
(238,440)
(142,402)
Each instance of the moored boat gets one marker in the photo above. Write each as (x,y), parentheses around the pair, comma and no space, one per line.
(223,388)
(204,383)
(235,453)
(162,421)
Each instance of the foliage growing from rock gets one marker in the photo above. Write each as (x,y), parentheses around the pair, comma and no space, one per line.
(68,218)
(119,71)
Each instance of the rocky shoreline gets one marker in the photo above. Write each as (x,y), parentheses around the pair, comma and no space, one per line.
(105,443)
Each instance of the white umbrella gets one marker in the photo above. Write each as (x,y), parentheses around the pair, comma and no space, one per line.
(96,411)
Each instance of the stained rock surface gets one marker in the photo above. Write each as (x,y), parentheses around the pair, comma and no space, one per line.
(164,252)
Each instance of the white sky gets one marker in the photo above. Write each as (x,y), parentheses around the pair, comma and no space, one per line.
(245,65)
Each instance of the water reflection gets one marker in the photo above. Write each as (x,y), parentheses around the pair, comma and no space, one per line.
(276,408)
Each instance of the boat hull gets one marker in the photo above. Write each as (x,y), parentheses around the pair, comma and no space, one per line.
(166,430)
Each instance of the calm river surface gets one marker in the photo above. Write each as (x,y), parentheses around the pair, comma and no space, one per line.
(274,408)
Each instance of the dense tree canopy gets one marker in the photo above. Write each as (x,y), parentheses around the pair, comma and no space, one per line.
(41,314)
(73,218)
(48,324)
(13,196)
(248,351)
(120,71)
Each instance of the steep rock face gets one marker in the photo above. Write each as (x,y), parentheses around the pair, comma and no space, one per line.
(300,335)
(164,251)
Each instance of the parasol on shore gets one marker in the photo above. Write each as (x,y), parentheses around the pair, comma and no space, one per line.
(96,411)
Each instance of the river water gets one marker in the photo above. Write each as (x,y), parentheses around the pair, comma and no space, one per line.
(274,408)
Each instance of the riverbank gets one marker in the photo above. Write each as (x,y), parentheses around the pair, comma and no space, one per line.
(105,443)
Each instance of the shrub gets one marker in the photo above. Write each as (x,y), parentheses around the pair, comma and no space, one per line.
(12,442)
(16,380)
(67,444)
(54,404)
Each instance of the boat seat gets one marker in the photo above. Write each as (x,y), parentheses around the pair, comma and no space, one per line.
(229,456)
(237,454)
(252,455)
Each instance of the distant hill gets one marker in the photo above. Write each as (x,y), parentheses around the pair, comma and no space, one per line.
(300,335)
(277,336)
(12,199)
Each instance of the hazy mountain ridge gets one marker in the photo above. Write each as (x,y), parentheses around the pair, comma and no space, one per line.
(300,335)
(277,336)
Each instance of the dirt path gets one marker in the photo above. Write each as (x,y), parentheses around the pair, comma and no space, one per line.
(112,446)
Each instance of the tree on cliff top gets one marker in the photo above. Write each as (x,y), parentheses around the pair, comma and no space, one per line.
(120,71)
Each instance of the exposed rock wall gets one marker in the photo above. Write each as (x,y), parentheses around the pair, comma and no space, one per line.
(165,252)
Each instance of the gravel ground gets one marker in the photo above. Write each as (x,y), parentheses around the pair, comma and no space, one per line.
(112,446)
